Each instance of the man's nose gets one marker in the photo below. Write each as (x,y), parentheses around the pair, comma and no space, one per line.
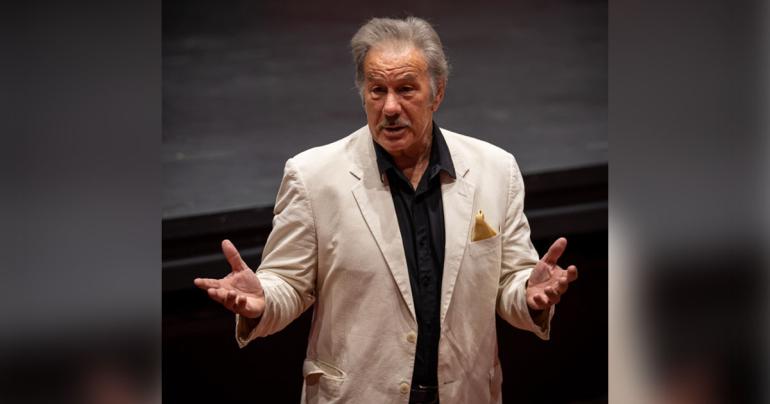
(392,105)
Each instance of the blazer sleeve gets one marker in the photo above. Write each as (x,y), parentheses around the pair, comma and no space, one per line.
(519,257)
(289,261)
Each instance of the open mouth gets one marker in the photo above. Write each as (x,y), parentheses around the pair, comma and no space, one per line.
(394,129)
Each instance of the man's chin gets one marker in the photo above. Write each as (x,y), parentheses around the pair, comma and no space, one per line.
(396,139)
(393,147)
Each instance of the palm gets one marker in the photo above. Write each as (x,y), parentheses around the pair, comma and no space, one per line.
(548,280)
(242,282)
(246,284)
(240,291)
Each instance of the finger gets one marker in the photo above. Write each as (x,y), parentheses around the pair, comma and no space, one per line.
(206,283)
(562,286)
(553,296)
(555,251)
(571,273)
(240,303)
(541,301)
(233,256)
(218,294)
(532,303)
(230,300)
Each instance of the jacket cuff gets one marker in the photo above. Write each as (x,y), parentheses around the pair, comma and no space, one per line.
(541,325)
(248,329)
(245,329)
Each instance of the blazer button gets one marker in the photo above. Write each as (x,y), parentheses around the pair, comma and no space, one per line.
(404,388)
(411,337)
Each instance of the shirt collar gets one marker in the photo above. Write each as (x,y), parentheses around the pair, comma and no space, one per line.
(440,158)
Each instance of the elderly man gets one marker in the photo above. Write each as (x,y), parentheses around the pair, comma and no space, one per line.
(407,237)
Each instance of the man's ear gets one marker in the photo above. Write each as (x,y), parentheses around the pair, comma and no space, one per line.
(441,85)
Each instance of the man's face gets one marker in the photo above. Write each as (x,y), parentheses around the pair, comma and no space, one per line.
(397,98)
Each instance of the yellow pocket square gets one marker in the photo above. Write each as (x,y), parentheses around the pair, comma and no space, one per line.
(482,230)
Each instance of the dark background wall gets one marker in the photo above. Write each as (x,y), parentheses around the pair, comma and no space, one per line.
(246,85)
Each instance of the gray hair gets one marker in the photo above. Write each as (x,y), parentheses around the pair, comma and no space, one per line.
(411,30)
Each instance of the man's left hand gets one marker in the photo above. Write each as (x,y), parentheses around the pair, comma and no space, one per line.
(548,281)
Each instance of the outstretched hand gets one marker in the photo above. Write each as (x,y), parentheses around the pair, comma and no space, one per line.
(240,291)
(548,281)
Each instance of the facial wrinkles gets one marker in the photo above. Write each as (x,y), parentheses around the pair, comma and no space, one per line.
(398,71)
(391,69)
(392,62)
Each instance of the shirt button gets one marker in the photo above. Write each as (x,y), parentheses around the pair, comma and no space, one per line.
(411,337)
(404,388)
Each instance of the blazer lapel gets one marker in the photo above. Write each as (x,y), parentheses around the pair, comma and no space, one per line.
(376,206)
(457,197)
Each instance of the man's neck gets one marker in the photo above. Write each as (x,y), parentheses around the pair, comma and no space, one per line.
(414,164)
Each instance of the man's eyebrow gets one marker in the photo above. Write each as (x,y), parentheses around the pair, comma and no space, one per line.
(402,76)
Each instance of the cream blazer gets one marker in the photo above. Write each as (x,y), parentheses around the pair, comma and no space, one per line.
(336,243)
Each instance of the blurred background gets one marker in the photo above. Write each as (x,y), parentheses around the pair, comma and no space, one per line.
(85,197)
(246,85)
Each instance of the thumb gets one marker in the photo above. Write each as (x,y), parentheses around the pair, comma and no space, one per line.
(233,256)
(555,251)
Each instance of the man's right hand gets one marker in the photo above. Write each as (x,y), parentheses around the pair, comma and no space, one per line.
(240,291)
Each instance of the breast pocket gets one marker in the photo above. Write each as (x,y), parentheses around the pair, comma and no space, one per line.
(482,265)
(323,381)
(489,246)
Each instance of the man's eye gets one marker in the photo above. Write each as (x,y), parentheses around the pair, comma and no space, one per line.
(406,89)
(379,90)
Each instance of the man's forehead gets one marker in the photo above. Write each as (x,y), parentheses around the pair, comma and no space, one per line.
(403,62)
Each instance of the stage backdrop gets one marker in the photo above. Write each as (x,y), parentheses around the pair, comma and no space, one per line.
(248,84)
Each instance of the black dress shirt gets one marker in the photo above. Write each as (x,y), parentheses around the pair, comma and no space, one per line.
(420,216)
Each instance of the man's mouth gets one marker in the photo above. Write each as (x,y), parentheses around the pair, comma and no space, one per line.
(393,129)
